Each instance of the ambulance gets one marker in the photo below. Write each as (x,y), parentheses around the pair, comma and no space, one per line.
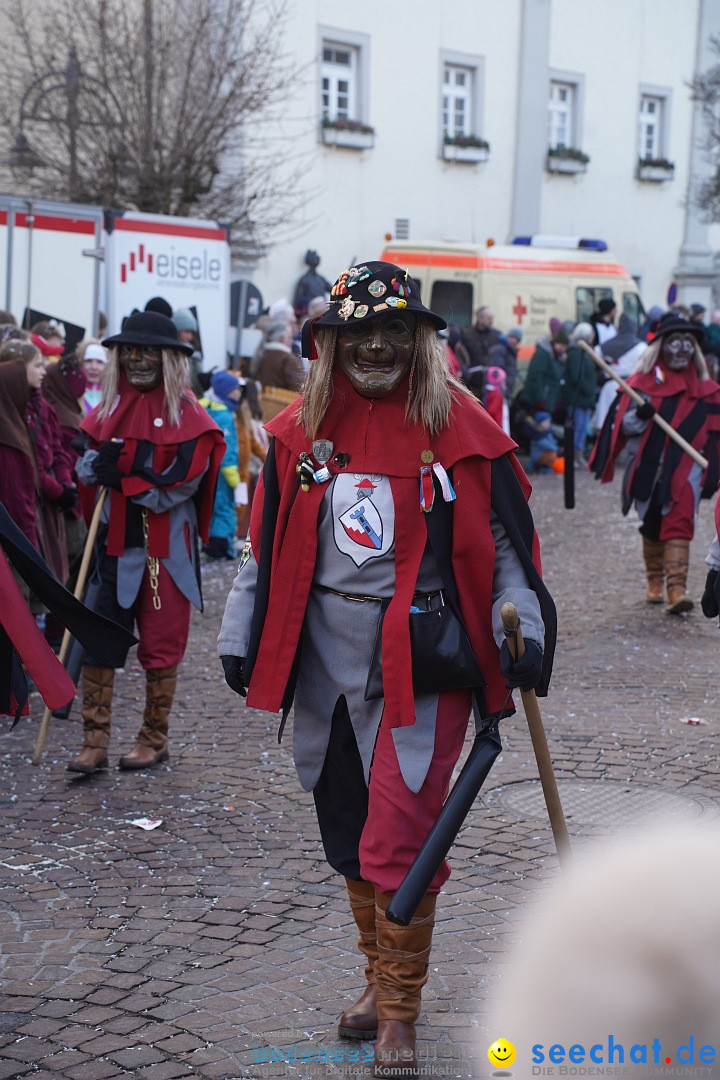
(525,283)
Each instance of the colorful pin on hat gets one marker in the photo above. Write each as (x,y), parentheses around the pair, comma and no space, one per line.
(363,284)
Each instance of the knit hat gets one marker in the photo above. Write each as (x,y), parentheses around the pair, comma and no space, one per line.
(184,319)
(496,377)
(697,309)
(95,352)
(45,348)
(516,332)
(541,417)
(159,304)
(223,383)
(606,305)
(560,337)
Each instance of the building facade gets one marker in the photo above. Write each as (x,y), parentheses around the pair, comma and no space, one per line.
(479,120)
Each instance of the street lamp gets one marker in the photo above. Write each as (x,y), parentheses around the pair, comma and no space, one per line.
(53,101)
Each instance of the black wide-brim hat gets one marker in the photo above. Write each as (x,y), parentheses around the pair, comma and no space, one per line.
(149,328)
(672,323)
(374,288)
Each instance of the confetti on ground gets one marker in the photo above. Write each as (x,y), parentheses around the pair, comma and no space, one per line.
(147,823)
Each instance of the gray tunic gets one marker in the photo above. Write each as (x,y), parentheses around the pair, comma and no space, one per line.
(180,563)
(356,555)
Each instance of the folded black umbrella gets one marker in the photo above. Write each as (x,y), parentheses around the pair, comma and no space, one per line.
(456,808)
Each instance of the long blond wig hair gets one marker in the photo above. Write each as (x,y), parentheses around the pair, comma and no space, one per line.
(431,384)
(176,380)
(650,357)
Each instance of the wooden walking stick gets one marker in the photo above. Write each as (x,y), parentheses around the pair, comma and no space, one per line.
(79,587)
(516,645)
(640,400)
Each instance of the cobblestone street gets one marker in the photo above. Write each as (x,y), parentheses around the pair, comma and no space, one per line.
(220,940)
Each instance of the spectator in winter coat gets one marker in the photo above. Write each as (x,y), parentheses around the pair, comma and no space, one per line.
(187,328)
(473,348)
(603,320)
(579,388)
(64,387)
(623,352)
(543,444)
(93,358)
(545,374)
(57,490)
(221,401)
(18,468)
(279,366)
(503,354)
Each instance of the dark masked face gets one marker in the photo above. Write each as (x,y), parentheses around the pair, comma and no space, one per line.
(142,365)
(376,354)
(678,350)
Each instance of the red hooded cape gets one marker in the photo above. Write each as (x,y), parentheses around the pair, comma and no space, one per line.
(378,438)
(696,416)
(140,418)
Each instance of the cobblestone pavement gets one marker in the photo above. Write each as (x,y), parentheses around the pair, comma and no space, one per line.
(220,941)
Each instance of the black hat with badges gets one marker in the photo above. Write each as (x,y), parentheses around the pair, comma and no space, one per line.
(673,323)
(374,288)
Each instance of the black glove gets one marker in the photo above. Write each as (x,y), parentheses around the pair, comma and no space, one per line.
(105,465)
(526,672)
(709,602)
(68,500)
(233,668)
(644,411)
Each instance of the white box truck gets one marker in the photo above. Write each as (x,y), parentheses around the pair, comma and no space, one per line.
(71,262)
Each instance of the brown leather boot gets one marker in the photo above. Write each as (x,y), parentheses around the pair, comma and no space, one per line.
(653,551)
(152,742)
(677,556)
(401,971)
(97,690)
(360,1020)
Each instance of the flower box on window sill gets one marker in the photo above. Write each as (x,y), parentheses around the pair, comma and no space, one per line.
(473,154)
(352,136)
(573,161)
(655,171)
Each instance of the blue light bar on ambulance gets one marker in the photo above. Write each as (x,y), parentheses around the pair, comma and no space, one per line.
(548,241)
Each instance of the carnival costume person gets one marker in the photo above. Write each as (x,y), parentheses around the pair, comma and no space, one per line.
(383,438)
(663,481)
(158,452)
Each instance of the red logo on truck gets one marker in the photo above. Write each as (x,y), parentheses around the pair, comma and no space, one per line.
(519,310)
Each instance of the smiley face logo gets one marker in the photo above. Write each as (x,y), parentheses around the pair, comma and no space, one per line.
(501,1054)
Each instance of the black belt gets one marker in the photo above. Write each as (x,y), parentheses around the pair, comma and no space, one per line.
(360,598)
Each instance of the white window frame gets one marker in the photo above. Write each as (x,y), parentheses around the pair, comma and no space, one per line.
(455,94)
(474,66)
(660,95)
(338,83)
(575,83)
(358,45)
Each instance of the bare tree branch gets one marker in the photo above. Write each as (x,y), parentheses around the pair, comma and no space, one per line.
(705,90)
(159,112)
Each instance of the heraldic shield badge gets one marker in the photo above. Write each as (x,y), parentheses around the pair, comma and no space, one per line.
(363,519)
